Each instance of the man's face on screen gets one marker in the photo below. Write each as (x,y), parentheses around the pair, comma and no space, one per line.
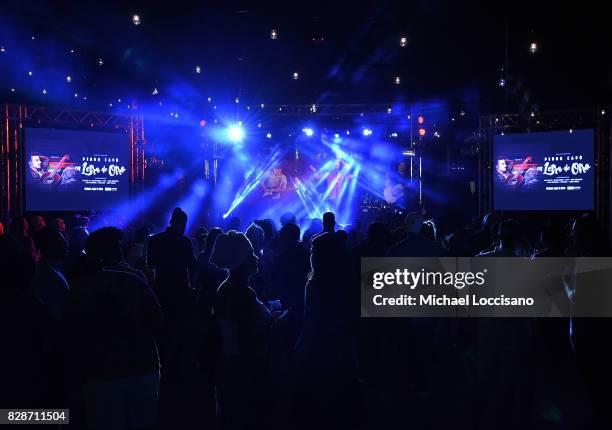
(35,161)
(277,171)
(501,165)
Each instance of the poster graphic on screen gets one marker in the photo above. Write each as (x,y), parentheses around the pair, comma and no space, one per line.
(544,171)
(67,170)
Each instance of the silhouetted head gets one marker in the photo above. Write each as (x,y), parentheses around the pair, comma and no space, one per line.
(36,223)
(329,221)
(287,218)
(290,233)
(142,234)
(413,223)
(509,231)
(255,234)
(178,221)
(19,227)
(58,224)
(378,233)
(51,243)
(211,238)
(328,258)
(105,245)
(234,252)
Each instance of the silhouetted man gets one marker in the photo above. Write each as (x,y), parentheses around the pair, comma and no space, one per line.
(329,222)
(415,245)
(170,254)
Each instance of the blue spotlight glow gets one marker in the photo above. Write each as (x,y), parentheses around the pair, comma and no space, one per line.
(235,133)
(308,131)
(367,132)
(269,135)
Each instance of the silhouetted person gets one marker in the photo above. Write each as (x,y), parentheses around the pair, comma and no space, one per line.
(244,324)
(37,223)
(27,326)
(287,218)
(415,245)
(509,244)
(19,230)
(291,267)
(326,361)
(111,318)
(329,222)
(49,283)
(78,236)
(170,254)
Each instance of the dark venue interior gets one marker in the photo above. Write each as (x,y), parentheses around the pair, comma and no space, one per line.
(201,204)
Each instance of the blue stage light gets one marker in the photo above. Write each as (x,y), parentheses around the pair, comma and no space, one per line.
(235,133)
(308,131)
(367,132)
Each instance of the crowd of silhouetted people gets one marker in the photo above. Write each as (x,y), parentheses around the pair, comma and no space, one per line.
(257,325)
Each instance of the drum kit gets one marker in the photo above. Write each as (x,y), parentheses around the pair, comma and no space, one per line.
(375,209)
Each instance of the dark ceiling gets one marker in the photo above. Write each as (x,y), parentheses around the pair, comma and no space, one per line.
(344,52)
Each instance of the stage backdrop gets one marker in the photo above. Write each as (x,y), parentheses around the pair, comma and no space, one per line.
(67,170)
(545,171)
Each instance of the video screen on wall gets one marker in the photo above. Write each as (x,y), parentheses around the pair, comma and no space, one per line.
(544,171)
(68,170)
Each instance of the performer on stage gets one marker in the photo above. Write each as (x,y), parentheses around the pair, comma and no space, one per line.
(274,183)
(335,178)
(398,188)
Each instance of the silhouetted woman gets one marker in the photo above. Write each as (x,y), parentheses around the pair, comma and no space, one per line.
(243,325)
(326,364)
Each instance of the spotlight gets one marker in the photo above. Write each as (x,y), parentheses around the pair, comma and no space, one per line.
(420,119)
(269,135)
(436,134)
(502,82)
(29,73)
(367,132)
(44,91)
(136,19)
(348,132)
(398,80)
(100,62)
(68,79)
(422,131)
(389,110)
(237,100)
(209,99)
(2,49)
(273,35)
(533,48)
(313,108)
(394,134)
(403,42)
(262,106)
(155,92)
(198,69)
(308,131)
(296,75)
(235,133)
(202,122)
